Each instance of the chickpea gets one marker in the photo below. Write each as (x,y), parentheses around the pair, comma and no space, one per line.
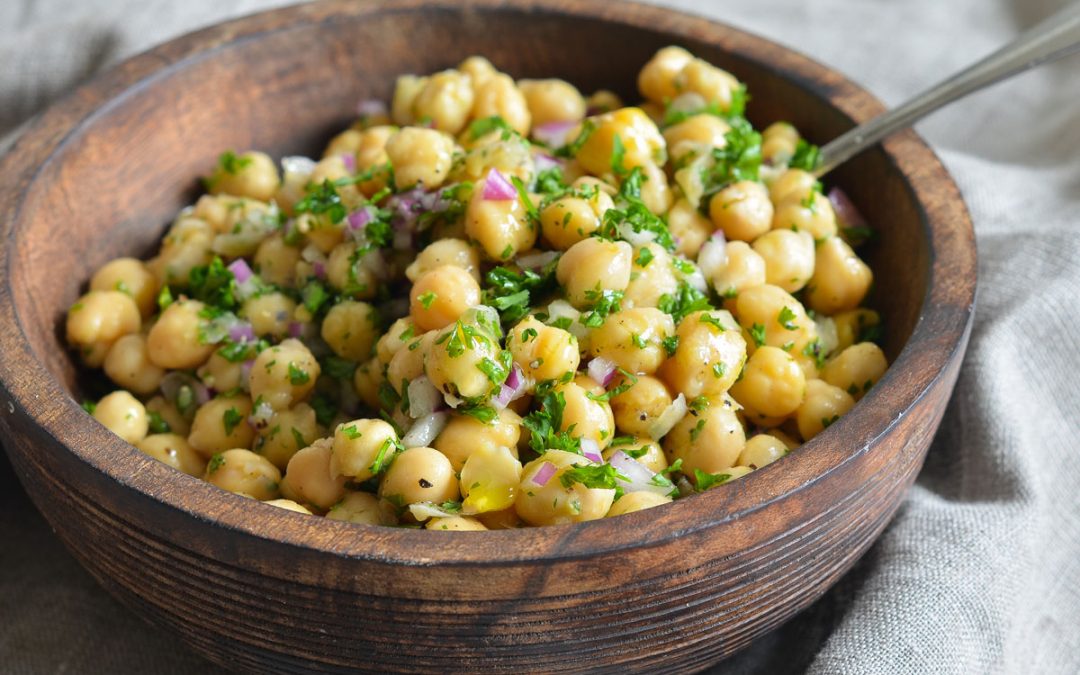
(856,369)
(651,277)
(445,100)
(367,379)
(824,405)
(421,156)
(489,480)
(552,100)
(244,472)
(633,339)
(221,424)
(173,449)
(174,341)
(506,519)
(772,384)
(568,220)
(745,268)
(363,448)
(641,141)
(345,143)
(636,501)
(123,414)
(395,339)
(593,266)
(350,328)
(456,252)
(408,364)
(582,416)
(644,451)
(789,258)
(97,320)
(440,296)
(287,432)
(356,507)
(655,192)
(657,78)
(460,360)
(742,210)
(176,422)
(406,89)
(455,523)
(696,134)
(776,317)
(637,409)
(221,374)
(706,80)
(688,228)
(351,275)
(419,475)
(710,440)
(543,352)
(813,214)
(308,478)
(779,141)
(709,357)
(275,261)
(289,505)
(128,365)
(130,276)
(553,503)
(602,101)
(252,174)
(841,280)
(464,435)
(794,185)
(187,245)
(501,227)
(763,449)
(853,326)
(371,153)
(478,68)
(284,375)
(499,95)
(269,314)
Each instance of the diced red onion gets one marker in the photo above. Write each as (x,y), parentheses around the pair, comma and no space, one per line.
(639,477)
(245,373)
(260,416)
(712,258)
(202,393)
(602,370)
(846,212)
(718,237)
(511,390)
(426,430)
(302,166)
(543,162)
(544,474)
(349,160)
(591,450)
(424,398)
(535,261)
(240,270)
(296,329)
(319,267)
(497,188)
(553,133)
(360,218)
(668,419)
(242,332)
(424,510)
(371,107)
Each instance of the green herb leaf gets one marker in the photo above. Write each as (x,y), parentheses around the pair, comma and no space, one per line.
(757,333)
(686,300)
(786,318)
(807,156)
(593,476)
(230,419)
(157,423)
(703,481)
(297,375)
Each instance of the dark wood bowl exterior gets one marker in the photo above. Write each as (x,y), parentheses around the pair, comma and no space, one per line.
(264,590)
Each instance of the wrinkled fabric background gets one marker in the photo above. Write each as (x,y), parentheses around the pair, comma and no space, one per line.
(979,573)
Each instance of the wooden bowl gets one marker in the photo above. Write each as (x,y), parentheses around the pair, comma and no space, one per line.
(257,588)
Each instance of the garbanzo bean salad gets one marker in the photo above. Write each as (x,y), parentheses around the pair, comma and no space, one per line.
(607,307)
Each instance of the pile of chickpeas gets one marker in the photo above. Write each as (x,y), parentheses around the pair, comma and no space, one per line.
(587,284)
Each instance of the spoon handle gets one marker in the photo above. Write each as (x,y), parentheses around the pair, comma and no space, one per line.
(1051,39)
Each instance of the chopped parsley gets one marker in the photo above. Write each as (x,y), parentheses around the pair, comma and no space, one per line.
(644,257)
(484,413)
(216,462)
(482,127)
(624,386)
(686,300)
(786,318)
(739,159)
(297,375)
(826,422)
(230,419)
(157,423)
(757,333)
(323,199)
(427,299)
(570,150)
(351,432)
(89,406)
(338,368)
(703,481)
(387,451)
(593,476)
(299,438)
(511,292)
(603,303)
(671,343)
(231,163)
(696,431)
(618,157)
(545,422)
(213,284)
(807,156)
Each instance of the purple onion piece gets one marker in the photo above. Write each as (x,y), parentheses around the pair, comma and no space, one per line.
(240,270)
(544,474)
(497,188)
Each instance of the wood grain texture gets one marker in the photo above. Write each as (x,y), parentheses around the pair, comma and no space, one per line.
(264,590)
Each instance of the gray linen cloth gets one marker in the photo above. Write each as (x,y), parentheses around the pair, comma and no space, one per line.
(979,573)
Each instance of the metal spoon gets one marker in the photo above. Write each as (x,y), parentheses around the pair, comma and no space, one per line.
(1049,40)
